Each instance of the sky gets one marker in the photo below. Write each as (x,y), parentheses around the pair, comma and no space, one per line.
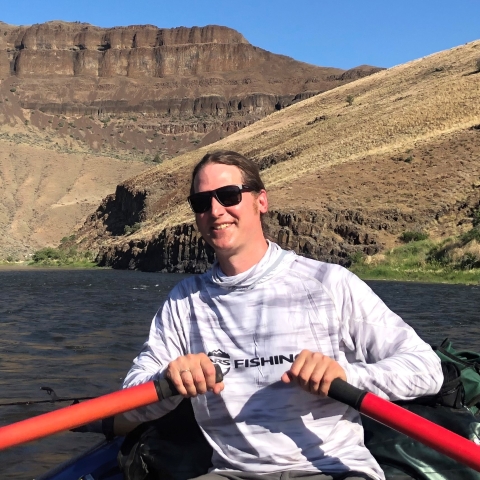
(341,33)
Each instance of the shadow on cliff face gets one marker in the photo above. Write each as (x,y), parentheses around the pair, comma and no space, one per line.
(124,208)
(179,249)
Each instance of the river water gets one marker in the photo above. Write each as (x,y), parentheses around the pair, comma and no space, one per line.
(77,332)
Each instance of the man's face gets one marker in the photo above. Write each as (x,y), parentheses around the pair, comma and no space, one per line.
(229,230)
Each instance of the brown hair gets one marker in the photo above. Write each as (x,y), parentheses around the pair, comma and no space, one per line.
(250,171)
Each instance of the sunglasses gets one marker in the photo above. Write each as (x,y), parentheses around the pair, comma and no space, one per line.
(227,196)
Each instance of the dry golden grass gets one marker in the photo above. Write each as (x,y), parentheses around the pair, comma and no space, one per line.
(46,193)
(472,248)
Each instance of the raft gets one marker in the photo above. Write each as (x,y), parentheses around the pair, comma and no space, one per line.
(97,463)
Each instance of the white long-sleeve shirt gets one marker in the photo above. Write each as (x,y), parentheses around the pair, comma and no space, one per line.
(253,325)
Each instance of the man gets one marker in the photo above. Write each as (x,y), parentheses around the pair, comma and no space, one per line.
(282,327)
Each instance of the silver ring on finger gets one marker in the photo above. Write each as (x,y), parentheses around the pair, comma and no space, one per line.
(183,371)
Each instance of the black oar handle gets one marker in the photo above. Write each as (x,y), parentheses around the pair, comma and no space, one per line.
(165,387)
(344,392)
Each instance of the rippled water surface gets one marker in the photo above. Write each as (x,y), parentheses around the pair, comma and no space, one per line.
(77,332)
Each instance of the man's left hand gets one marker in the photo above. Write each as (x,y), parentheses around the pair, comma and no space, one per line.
(314,372)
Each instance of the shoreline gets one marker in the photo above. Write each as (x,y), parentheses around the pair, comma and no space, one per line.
(28,266)
(451,277)
(364,272)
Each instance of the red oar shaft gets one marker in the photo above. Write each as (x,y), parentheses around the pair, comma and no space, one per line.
(89,411)
(444,441)
(77,415)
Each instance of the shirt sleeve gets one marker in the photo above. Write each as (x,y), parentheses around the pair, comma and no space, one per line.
(165,343)
(384,355)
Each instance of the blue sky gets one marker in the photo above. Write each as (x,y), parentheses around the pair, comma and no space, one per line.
(342,33)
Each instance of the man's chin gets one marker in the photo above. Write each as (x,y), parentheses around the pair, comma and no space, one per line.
(222,246)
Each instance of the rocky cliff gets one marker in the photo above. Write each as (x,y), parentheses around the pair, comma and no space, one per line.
(330,235)
(75,49)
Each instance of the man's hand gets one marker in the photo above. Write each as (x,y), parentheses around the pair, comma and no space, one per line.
(314,372)
(193,374)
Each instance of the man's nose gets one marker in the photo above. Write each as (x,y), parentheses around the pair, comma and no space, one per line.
(217,208)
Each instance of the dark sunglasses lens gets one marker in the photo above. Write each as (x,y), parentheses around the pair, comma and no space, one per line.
(200,202)
(226,196)
(229,196)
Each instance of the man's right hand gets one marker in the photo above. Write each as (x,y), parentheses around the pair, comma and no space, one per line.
(193,374)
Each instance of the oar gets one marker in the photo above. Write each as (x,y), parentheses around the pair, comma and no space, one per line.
(383,411)
(408,423)
(77,415)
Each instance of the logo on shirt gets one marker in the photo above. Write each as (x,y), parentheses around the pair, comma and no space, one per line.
(221,358)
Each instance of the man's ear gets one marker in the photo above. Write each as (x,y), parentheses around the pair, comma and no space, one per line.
(262,201)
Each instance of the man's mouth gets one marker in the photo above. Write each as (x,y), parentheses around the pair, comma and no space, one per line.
(222,226)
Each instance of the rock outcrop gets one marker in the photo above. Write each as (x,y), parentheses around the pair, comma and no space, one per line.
(217,106)
(75,49)
(331,236)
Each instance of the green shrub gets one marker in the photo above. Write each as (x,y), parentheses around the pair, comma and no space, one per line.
(413,236)
(476,218)
(129,229)
(357,258)
(47,253)
(473,234)
(350,99)
(63,256)
(13,89)
(468,261)
(157,158)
